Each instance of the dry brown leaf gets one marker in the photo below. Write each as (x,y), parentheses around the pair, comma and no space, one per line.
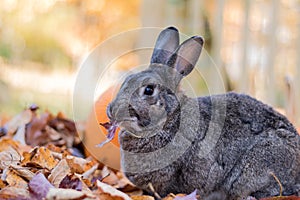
(14,193)
(105,188)
(54,148)
(172,196)
(109,176)
(6,142)
(34,131)
(20,134)
(85,187)
(52,133)
(56,155)
(66,194)
(22,172)
(126,186)
(143,197)
(282,198)
(9,157)
(39,157)
(136,192)
(14,180)
(19,120)
(2,184)
(74,181)
(78,165)
(90,171)
(66,127)
(61,170)
(106,196)
(61,115)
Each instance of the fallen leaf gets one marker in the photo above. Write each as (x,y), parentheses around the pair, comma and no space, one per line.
(14,193)
(8,142)
(20,134)
(39,157)
(75,181)
(34,134)
(125,185)
(9,157)
(2,184)
(88,173)
(282,198)
(143,197)
(78,165)
(105,188)
(111,128)
(192,196)
(67,129)
(71,182)
(106,196)
(22,172)
(136,192)
(54,136)
(109,176)
(21,119)
(61,170)
(39,186)
(14,180)
(66,194)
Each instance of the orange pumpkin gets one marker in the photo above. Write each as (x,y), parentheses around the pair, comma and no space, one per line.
(109,154)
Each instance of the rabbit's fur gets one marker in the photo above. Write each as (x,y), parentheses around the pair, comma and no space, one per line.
(229,143)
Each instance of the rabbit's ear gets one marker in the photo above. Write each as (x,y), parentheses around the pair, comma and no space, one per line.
(166,43)
(186,55)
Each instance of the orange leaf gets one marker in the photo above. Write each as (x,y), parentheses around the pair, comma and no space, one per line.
(2,184)
(143,197)
(107,196)
(8,142)
(39,157)
(15,180)
(78,165)
(282,198)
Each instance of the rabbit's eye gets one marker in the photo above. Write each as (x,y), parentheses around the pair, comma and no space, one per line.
(149,90)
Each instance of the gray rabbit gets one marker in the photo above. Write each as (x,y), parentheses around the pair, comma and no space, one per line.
(228,144)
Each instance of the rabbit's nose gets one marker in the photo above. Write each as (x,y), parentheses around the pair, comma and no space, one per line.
(109,111)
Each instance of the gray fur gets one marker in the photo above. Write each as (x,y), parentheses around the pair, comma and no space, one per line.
(228,142)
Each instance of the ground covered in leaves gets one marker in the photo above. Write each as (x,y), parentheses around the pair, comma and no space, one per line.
(41,157)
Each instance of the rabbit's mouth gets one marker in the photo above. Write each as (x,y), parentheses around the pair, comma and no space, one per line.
(112,126)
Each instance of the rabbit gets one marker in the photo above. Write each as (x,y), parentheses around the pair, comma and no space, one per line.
(228,144)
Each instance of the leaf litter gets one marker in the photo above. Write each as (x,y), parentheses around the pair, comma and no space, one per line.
(42,157)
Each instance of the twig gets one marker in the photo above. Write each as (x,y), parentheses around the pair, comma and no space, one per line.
(279,183)
(153,190)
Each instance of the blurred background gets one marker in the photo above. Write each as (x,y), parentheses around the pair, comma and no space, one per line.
(254,44)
